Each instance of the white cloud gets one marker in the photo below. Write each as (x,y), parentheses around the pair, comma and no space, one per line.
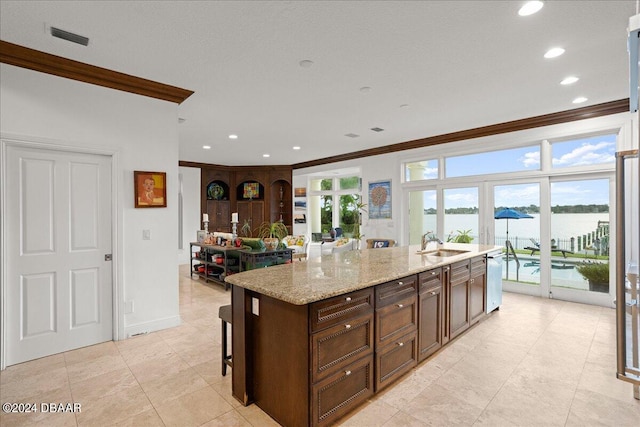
(587,154)
(531,159)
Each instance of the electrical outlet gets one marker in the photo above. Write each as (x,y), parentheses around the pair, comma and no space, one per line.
(146,234)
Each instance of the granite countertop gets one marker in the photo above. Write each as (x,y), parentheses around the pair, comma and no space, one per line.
(304,282)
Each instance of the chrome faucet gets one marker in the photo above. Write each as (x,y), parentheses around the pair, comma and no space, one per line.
(429,237)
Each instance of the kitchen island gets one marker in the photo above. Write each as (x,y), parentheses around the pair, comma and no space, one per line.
(312,340)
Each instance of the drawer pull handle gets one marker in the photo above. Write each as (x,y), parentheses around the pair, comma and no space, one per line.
(400,344)
(347,299)
(347,326)
(347,373)
(400,283)
(433,273)
(400,305)
(433,293)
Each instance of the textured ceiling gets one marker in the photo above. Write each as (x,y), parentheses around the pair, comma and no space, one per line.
(456,65)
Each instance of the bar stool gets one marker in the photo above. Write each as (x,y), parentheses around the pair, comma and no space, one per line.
(224,313)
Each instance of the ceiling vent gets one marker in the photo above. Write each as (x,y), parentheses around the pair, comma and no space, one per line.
(66,35)
(351,135)
(377,129)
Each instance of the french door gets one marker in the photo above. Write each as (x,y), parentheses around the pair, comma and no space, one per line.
(570,226)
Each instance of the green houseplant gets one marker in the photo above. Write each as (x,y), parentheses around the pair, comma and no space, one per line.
(463,236)
(272,233)
(597,274)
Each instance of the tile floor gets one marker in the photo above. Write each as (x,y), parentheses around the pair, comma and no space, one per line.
(536,362)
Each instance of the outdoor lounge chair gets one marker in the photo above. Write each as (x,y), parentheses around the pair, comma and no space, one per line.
(536,248)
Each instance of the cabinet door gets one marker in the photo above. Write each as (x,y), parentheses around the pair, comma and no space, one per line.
(458,298)
(477,288)
(253,212)
(430,326)
(219,217)
(395,359)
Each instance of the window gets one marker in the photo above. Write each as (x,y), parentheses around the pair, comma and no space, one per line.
(418,171)
(514,160)
(585,151)
(335,201)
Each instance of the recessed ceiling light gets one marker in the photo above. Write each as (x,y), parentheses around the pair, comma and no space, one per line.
(579,100)
(376,129)
(554,52)
(296,148)
(306,63)
(365,89)
(530,7)
(569,80)
(233,136)
(266,155)
(206,147)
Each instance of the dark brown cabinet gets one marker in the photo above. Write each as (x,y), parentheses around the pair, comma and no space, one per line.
(477,288)
(253,212)
(219,215)
(458,295)
(430,312)
(396,321)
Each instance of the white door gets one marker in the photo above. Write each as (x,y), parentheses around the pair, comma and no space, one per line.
(58,231)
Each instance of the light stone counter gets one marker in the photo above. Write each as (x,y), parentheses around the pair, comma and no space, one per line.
(304,282)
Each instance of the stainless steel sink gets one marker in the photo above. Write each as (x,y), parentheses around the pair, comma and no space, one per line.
(443,252)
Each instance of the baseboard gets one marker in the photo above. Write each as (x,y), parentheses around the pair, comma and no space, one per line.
(153,326)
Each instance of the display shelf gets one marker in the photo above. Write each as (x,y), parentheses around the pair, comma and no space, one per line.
(206,256)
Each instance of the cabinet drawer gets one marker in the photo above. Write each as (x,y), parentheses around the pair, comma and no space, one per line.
(460,272)
(395,359)
(396,320)
(430,279)
(336,347)
(341,392)
(333,311)
(390,292)
(478,266)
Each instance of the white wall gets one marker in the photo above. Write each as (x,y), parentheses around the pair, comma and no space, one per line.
(143,132)
(191,210)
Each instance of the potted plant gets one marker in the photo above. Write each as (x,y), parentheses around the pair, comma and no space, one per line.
(597,274)
(360,207)
(463,236)
(271,233)
(246,228)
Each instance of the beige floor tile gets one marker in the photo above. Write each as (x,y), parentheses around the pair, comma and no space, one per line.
(229,419)
(138,341)
(594,409)
(211,371)
(95,388)
(114,408)
(224,389)
(490,418)
(157,349)
(173,386)
(369,414)
(95,366)
(437,406)
(194,409)
(602,380)
(402,419)
(256,416)
(92,352)
(154,369)
(27,388)
(148,418)
(38,419)
(41,410)
(33,367)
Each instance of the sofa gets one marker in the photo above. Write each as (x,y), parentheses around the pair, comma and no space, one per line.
(299,245)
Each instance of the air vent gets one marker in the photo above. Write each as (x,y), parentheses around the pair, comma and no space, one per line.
(377,129)
(351,135)
(66,35)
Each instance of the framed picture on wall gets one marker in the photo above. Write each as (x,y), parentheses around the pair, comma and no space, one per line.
(380,200)
(150,189)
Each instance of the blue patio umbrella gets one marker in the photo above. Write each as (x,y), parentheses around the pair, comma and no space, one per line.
(508,214)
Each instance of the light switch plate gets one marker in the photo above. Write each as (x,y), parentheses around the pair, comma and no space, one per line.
(255,306)
(146,234)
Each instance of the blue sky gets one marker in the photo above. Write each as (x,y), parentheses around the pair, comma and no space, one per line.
(573,153)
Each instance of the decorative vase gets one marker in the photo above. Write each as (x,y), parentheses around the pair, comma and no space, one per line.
(271,243)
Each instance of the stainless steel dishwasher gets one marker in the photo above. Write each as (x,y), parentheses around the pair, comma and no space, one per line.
(494,280)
